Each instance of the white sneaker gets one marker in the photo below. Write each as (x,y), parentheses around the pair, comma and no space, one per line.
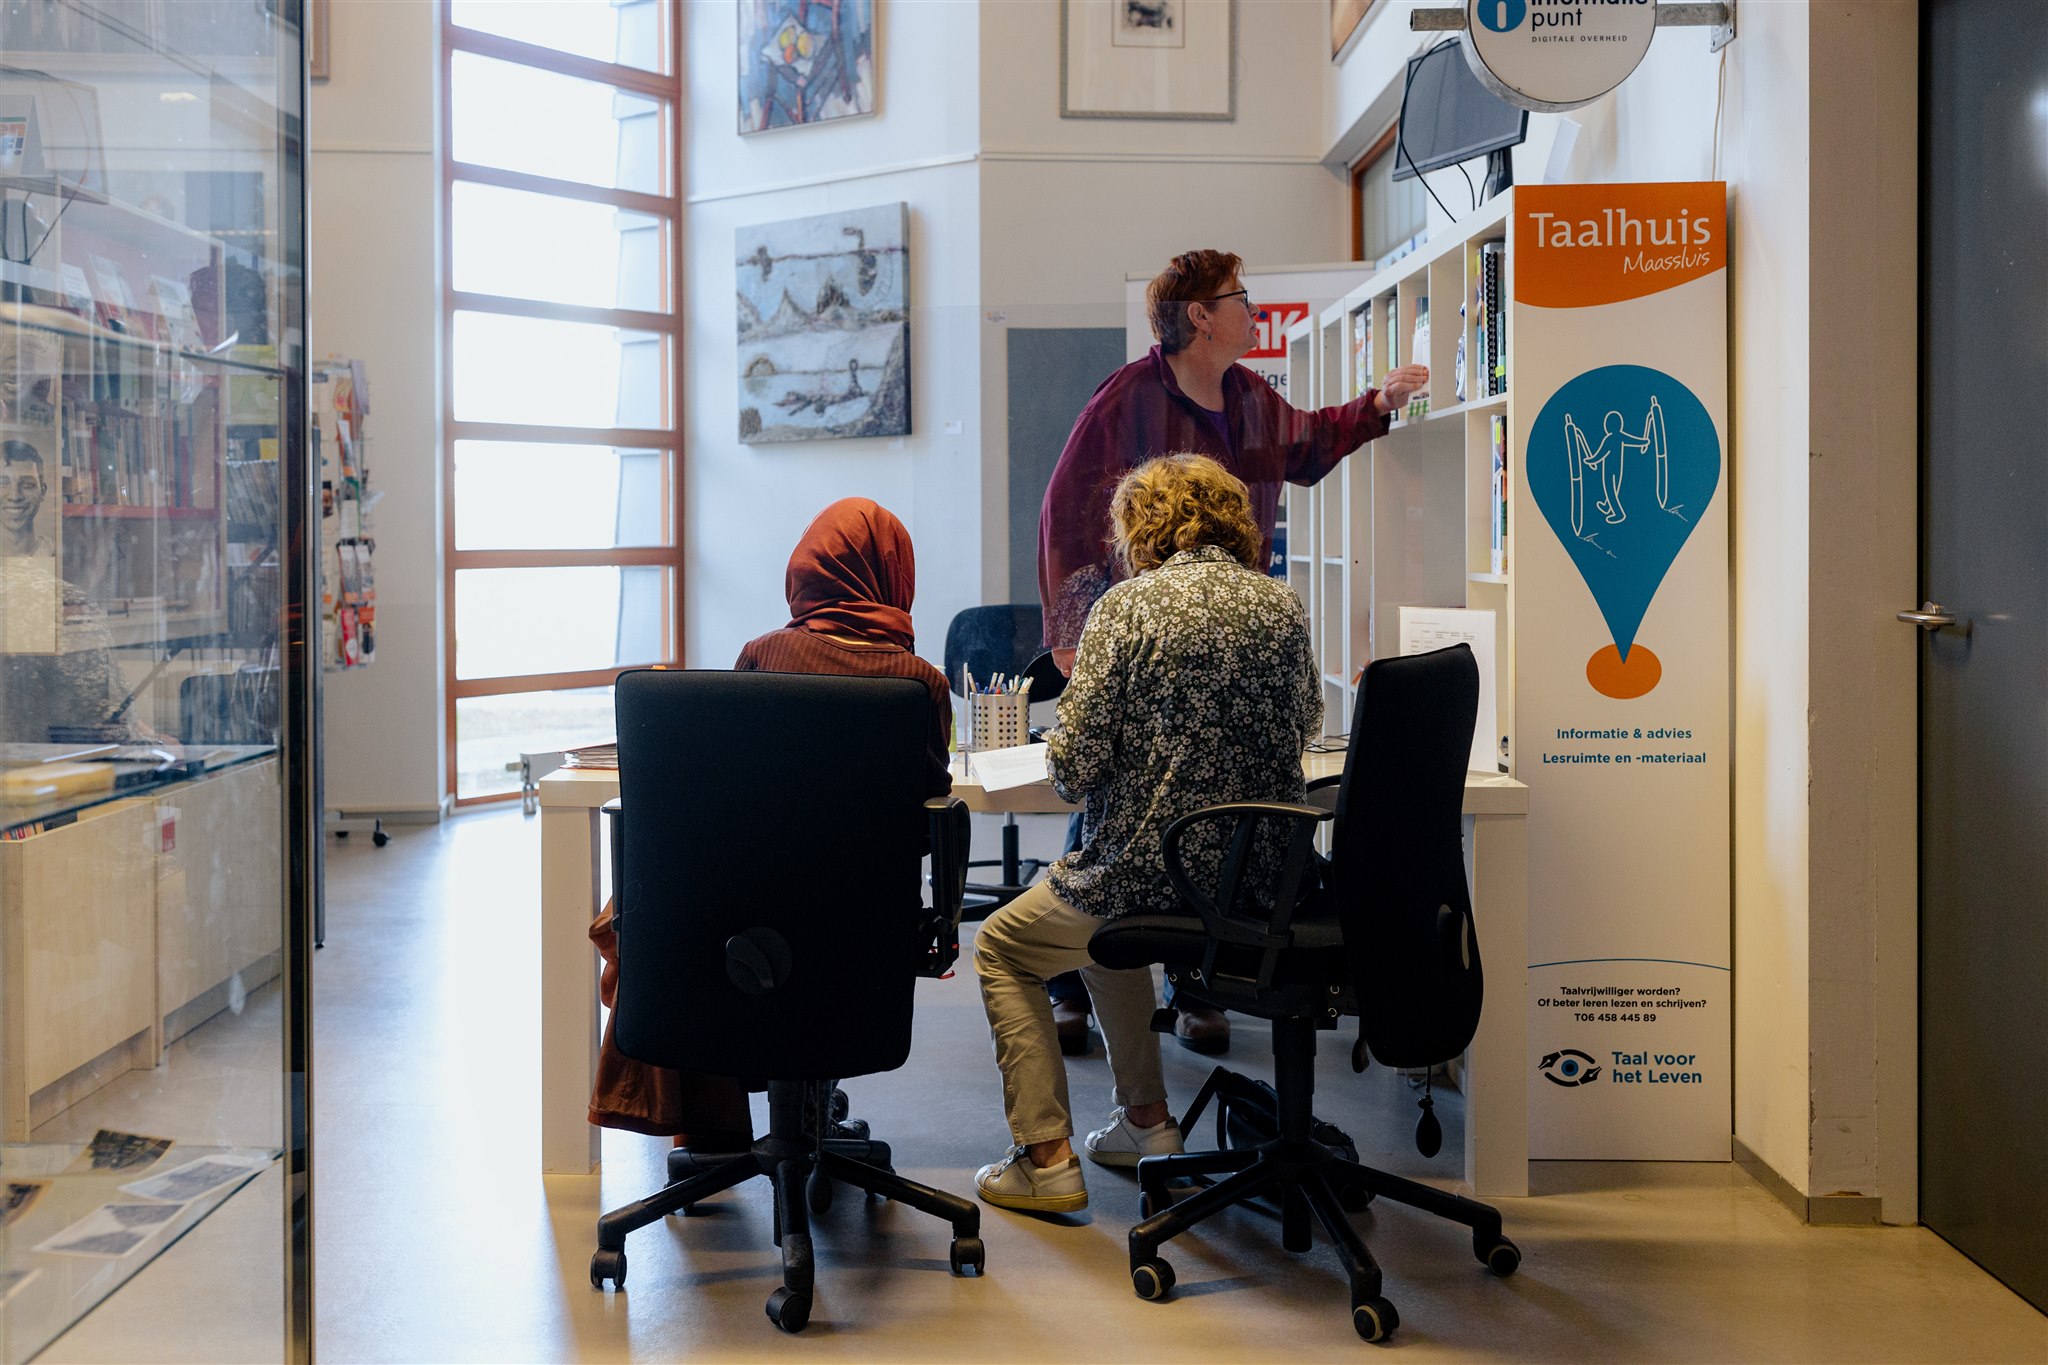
(1123,1143)
(1016,1183)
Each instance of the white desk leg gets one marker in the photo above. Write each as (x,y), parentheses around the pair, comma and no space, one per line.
(1496,1075)
(568,988)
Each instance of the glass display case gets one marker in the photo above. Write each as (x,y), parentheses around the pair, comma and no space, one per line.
(159,863)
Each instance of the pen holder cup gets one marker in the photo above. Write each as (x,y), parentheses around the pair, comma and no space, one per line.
(998,720)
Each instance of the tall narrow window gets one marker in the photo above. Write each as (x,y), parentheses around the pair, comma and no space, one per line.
(1388,217)
(562,335)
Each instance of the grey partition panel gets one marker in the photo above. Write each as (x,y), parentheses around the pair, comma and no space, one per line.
(1053,371)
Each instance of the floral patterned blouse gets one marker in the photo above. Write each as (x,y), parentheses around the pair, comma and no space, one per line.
(1194,685)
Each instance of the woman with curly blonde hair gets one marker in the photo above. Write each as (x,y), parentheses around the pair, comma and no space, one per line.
(1193,685)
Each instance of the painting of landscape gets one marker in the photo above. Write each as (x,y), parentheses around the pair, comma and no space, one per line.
(824,326)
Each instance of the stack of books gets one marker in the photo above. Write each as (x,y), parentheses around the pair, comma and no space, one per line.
(1492,321)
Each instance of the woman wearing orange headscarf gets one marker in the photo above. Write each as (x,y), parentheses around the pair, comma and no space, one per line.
(850,583)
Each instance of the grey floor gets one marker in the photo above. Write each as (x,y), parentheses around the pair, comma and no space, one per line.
(437,1240)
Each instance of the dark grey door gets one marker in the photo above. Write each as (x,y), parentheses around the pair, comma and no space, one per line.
(1984,680)
(1054,371)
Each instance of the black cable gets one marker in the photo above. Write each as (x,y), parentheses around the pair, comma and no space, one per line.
(1470,188)
(1401,142)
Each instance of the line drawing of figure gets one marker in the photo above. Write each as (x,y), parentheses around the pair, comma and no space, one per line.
(1610,458)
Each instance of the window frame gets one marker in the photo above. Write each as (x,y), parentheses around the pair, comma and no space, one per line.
(668,206)
(1382,146)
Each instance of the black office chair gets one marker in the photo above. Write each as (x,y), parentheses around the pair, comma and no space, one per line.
(745,952)
(1010,640)
(1384,931)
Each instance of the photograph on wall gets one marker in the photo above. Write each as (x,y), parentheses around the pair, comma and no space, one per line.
(1148,59)
(824,326)
(1345,17)
(805,61)
(1148,23)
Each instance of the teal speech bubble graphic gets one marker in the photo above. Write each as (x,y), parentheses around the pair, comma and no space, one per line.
(1623,461)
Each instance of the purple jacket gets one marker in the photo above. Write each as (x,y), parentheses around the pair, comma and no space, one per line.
(1140,412)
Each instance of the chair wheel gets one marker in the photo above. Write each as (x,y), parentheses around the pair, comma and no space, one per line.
(1502,1257)
(968,1253)
(1152,1279)
(789,1310)
(1146,1208)
(1354,1199)
(608,1265)
(1374,1319)
(840,1106)
(380,838)
(818,1191)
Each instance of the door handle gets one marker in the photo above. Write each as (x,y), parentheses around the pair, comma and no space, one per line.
(1931,616)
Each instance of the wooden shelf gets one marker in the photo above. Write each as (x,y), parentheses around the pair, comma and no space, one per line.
(1500,578)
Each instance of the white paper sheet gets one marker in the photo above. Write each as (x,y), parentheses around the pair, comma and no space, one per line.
(1428,628)
(999,769)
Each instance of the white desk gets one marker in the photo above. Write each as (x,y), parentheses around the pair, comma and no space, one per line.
(1496,862)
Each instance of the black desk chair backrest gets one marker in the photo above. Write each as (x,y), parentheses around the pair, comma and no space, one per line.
(1002,639)
(1397,860)
(772,855)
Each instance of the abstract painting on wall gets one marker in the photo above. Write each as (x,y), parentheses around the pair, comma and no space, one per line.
(824,326)
(805,61)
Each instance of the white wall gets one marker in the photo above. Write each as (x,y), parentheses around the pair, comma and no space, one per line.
(745,505)
(374,293)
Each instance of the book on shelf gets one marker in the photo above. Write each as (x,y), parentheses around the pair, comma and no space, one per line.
(1418,404)
(1361,349)
(1493,319)
(1497,529)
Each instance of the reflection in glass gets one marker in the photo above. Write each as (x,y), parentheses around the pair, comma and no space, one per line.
(511,622)
(521,118)
(539,246)
(542,372)
(149,270)
(512,495)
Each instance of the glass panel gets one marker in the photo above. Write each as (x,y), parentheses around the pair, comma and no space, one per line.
(574,374)
(513,622)
(624,31)
(151,310)
(492,733)
(510,495)
(540,246)
(521,118)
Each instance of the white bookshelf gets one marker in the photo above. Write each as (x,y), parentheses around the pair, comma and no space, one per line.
(1404,521)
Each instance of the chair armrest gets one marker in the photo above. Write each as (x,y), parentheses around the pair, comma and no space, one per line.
(1220,915)
(940,934)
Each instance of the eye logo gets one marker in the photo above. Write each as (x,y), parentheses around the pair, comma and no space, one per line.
(1503,16)
(1569,1067)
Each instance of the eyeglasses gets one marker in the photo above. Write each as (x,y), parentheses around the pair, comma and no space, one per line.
(1244,294)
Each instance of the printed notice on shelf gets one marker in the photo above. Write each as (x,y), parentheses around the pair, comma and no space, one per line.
(1429,628)
(190,1181)
(111,1231)
(1000,769)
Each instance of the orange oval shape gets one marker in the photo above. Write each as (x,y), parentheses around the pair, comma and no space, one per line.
(1624,679)
(1579,246)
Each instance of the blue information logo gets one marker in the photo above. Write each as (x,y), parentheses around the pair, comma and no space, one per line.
(1503,16)
(1623,462)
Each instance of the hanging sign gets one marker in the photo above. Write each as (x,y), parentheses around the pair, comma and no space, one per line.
(1619,417)
(1553,55)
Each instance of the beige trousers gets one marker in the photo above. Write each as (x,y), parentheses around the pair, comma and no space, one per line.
(1018,949)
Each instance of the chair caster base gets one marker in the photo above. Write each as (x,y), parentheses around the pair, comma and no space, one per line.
(1152,1280)
(1500,1255)
(608,1265)
(789,1310)
(1374,1318)
(967,1253)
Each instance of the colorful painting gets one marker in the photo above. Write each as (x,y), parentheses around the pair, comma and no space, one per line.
(824,326)
(805,61)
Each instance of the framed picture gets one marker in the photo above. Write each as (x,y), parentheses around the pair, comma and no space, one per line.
(1148,59)
(824,326)
(805,61)
(316,40)
(1345,17)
